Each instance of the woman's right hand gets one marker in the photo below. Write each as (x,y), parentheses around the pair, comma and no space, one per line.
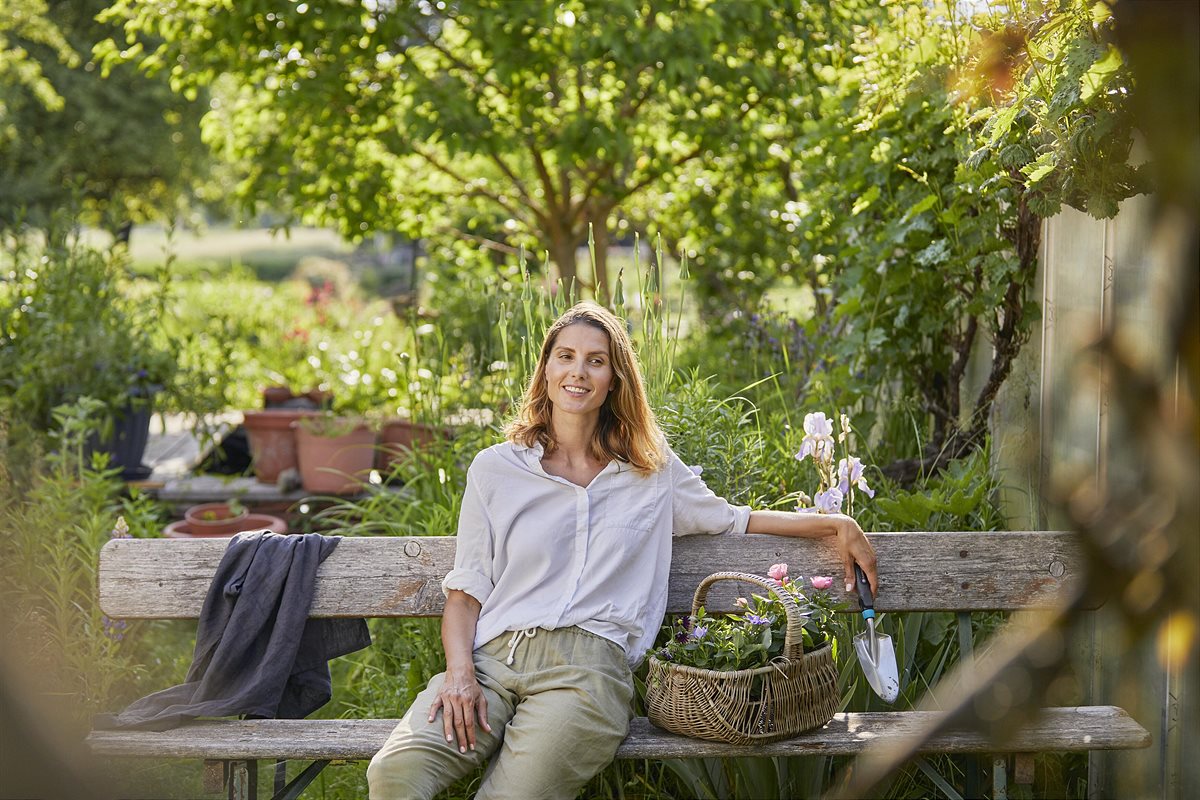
(462,701)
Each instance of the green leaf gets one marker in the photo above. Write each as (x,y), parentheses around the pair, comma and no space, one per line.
(924,204)
(1040,168)
(868,197)
(1001,123)
(1098,76)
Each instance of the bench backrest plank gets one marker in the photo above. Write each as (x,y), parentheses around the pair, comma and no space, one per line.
(400,576)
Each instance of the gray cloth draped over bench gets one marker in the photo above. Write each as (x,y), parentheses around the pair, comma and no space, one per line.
(257,652)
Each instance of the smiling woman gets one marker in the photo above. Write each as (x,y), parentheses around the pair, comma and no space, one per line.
(560,578)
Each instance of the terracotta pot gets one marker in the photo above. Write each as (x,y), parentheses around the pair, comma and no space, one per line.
(182,529)
(282,397)
(398,436)
(273,441)
(215,519)
(335,464)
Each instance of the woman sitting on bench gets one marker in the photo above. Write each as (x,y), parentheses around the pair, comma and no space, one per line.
(560,579)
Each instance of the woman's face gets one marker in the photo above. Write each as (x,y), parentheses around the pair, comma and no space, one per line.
(579,373)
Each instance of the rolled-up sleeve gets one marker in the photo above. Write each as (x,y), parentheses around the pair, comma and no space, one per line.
(696,509)
(473,557)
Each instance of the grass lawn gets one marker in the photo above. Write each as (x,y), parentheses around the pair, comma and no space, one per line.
(269,255)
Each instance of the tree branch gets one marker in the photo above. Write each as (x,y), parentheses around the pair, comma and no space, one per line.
(495,198)
(461,65)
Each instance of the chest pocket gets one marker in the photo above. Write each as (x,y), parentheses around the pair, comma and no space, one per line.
(632,503)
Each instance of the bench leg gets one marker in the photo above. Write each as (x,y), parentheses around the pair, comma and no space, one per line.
(299,783)
(214,777)
(243,780)
(999,778)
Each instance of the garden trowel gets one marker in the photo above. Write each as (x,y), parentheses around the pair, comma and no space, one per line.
(875,651)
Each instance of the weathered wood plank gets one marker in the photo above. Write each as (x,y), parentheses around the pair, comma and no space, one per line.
(1072,729)
(400,576)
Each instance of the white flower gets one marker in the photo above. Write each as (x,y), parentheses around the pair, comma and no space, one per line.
(818,438)
(827,502)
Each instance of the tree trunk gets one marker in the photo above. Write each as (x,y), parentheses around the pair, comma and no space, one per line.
(562,252)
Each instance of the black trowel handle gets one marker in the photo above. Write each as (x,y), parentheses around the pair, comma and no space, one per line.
(864,588)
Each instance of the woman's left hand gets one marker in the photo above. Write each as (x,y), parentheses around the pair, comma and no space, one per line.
(855,549)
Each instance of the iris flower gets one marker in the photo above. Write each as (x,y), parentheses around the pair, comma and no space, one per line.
(850,473)
(818,438)
(827,502)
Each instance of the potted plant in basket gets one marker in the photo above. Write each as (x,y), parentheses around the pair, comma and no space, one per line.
(765,673)
(768,670)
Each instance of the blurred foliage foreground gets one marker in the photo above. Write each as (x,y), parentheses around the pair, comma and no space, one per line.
(903,202)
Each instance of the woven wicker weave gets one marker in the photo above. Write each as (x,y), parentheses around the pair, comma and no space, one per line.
(796,692)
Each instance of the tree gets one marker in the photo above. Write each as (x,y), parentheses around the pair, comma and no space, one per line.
(118,146)
(546,116)
(23,21)
(924,187)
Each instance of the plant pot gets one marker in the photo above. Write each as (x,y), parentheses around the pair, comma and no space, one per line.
(282,397)
(397,438)
(215,519)
(182,529)
(131,431)
(335,464)
(127,443)
(273,441)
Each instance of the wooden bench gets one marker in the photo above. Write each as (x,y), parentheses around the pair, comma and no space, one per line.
(400,577)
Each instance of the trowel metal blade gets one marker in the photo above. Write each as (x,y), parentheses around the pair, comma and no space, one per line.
(880,668)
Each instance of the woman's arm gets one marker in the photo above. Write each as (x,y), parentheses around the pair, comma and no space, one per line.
(460,698)
(851,541)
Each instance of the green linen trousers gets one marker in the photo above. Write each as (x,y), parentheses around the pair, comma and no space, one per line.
(558,714)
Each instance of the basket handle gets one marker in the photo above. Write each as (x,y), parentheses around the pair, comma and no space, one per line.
(793,640)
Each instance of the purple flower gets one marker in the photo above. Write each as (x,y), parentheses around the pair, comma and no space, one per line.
(755,619)
(681,636)
(850,472)
(828,502)
(699,631)
(114,628)
(665,655)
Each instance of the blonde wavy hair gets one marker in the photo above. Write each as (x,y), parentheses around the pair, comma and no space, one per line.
(627,430)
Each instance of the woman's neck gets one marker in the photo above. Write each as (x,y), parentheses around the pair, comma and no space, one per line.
(573,438)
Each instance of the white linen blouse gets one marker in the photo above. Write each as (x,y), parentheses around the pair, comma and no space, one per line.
(538,551)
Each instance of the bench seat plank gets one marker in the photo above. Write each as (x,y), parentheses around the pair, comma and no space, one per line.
(1072,729)
(400,576)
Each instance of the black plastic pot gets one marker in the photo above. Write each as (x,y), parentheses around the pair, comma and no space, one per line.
(131,430)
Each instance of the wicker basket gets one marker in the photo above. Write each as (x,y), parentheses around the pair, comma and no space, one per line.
(794,693)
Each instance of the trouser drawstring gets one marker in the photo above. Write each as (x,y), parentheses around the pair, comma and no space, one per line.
(517,638)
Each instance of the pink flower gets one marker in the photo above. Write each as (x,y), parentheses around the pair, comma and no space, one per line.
(778,572)
(822,581)
(742,602)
